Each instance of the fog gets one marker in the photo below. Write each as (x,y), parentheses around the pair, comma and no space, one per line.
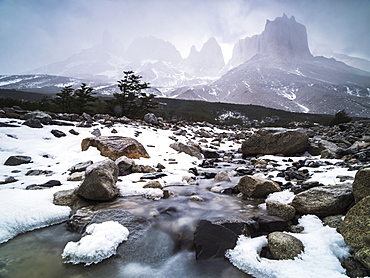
(35,33)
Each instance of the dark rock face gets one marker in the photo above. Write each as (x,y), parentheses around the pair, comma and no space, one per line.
(17,160)
(256,187)
(283,246)
(324,200)
(212,240)
(275,141)
(100,181)
(116,146)
(361,184)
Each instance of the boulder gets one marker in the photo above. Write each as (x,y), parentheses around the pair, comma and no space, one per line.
(116,146)
(153,184)
(355,227)
(222,176)
(76,176)
(284,246)
(363,256)
(80,167)
(213,240)
(275,141)
(324,200)
(38,115)
(33,123)
(257,187)
(15,160)
(70,198)
(188,149)
(329,149)
(125,165)
(100,181)
(150,118)
(361,184)
(284,211)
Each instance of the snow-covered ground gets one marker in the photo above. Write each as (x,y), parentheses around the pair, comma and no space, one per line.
(24,210)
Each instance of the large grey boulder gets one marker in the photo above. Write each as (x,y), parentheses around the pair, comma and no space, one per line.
(275,141)
(38,115)
(257,187)
(361,184)
(329,149)
(150,118)
(284,246)
(324,200)
(100,181)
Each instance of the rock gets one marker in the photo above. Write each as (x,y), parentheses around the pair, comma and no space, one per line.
(329,149)
(33,123)
(38,115)
(283,246)
(361,184)
(125,165)
(38,172)
(100,181)
(116,146)
(58,133)
(222,176)
(15,160)
(324,201)
(150,118)
(256,187)
(80,167)
(70,198)
(73,132)
(212,240)
(9,180)
(196,198)
(142,169)
(96,132)
(284,211)
(76,176)
(363,256)
(333,221)
(48,184)
(355,227)
(210,153)
(354,268)
(188,149)
(153,184)
(275,141)
(153,176)
(268,224)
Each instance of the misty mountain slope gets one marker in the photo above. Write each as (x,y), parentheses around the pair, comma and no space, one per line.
(277,70)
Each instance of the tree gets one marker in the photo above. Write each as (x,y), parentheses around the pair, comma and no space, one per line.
(340,117)
(64,99)
(131,101)
(83,96)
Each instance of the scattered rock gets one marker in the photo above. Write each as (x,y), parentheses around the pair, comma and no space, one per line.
(150,118)
(15,160)
(125,165)
(153,184)
(76,176)
(188,149)
(153,176)
(58,133)
(33,123)
(196,198)
(116,146)
(324,201)
(39,172)
(96,132)
(363,256)
(257,187)
(100,181)
(354,268)
(275,141)
(361,184)
(333,221)
(9,180)
(284,211)
(222,176)
(265,224)
(48,184)
(40,116)
(80,167)
(70,198)
(284,246)
(73,132)
(329,149)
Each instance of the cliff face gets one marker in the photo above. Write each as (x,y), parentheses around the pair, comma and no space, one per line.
(283,39)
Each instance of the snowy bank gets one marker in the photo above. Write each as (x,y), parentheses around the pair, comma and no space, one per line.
(26,210)
(100,242)
(323,250)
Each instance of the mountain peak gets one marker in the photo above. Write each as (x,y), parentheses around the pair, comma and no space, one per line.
(282,39)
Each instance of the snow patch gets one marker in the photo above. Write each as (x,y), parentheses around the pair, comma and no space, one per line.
(99,243)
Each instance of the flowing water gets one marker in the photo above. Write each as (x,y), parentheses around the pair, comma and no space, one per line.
(167,251)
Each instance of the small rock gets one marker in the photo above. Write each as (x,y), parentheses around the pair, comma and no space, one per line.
(153,176)
(80,167)
(96,132)
(17,160)
(76,176)
(153,184)
(196,198)
(222,176)
(58,133)
(73,132)
(283,246)
(33,123)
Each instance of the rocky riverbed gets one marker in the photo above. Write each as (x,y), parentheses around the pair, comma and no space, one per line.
(195,198)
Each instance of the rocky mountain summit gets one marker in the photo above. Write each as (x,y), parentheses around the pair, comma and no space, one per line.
(316,174)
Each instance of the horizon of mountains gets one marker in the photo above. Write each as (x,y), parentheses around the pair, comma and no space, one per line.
(274,69)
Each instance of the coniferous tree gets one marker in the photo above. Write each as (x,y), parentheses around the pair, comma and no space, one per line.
(64,100)
(341,117)
(82,96)
(131,101)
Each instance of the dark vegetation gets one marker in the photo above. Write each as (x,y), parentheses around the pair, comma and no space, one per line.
(133,102)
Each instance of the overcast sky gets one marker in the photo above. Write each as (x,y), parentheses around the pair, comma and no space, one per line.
(34,33)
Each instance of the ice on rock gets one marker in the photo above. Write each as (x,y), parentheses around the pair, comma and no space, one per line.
(99,243)
(323,250)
